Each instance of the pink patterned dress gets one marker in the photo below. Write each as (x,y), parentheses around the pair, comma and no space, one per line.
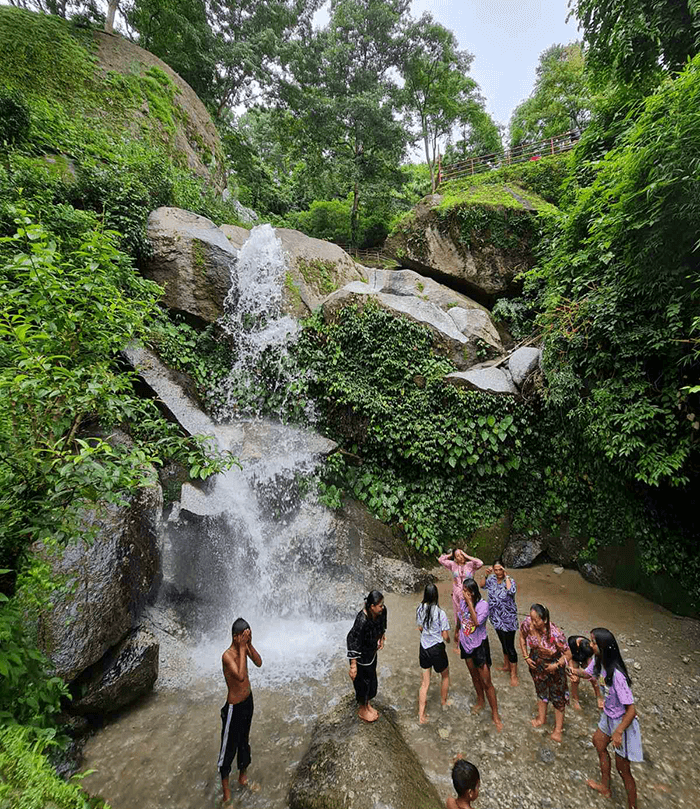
(459,574)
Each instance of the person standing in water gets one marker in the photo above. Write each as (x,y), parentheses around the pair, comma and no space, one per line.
(364,640)
(618,722)
(475,650)
(462,566)
(237,713)
(503,614)
(434,634)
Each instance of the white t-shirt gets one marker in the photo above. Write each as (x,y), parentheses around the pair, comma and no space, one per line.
(432,633)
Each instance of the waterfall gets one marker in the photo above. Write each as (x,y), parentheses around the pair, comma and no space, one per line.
(255,542)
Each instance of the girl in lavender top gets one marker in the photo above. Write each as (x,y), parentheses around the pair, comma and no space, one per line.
(618,722)
(462,566)
(503,614)
(474,644)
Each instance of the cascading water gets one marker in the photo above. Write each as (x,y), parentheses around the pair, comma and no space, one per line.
(253,542)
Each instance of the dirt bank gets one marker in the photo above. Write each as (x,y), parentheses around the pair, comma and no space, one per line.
(162,754)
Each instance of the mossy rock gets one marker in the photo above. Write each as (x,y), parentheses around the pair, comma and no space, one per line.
(488,542)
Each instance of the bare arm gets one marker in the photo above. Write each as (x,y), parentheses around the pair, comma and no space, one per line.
(254,655)
(627,719)
(487,573)
(234,664)
(446,636)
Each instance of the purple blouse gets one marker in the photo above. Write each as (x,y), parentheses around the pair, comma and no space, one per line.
(471,636)
(618,695)
(502,609)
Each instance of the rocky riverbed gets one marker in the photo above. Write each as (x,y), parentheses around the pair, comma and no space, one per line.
(161,754)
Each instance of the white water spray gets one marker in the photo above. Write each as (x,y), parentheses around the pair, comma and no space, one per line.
(254,542)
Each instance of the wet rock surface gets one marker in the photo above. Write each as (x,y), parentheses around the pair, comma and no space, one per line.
(489,380)
(522,552)
(177,730)
(107,583)
(352,764)
(126,673)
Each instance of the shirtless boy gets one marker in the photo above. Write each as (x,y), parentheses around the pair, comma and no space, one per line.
(237,714)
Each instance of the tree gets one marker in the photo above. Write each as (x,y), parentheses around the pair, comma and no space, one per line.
(628,39)
(342,91)
(437,92)
(178,31)
(479,135)
(560,101)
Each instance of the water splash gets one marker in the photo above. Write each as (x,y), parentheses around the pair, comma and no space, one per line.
(256,542)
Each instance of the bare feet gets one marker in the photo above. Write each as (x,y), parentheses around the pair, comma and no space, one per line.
(242,778)
(576,705)
(514,682)
(556,736)
(537,723)
(422,720)
(478,707)
(497,722)
(599,788)
(368,714)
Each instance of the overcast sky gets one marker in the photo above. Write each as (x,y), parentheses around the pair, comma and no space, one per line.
(506,38)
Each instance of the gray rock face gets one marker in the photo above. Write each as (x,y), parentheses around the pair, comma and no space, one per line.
(346,755)
(522,552)
(108,583)
(490,380)
(522,362)
(192,260)
(594,573)
(125,673)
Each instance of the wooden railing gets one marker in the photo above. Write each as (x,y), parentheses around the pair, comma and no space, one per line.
(519,154)
(374,253)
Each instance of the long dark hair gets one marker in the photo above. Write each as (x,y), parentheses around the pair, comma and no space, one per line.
(430,600)
(374,598)
(609,657)
(543,613)
(473,587)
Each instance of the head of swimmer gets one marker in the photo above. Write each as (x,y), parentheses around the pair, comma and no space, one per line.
(239,627)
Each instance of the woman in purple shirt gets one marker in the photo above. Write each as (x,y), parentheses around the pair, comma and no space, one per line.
(474,645)
(618,722)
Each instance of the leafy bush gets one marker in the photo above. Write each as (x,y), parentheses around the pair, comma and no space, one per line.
(14,118)
(27,780)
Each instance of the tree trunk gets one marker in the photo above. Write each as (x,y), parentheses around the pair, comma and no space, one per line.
(429,161)
(112,7)
(354,224)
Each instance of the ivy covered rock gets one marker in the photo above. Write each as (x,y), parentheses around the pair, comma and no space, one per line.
(476,237)
(316,268)
(345,758)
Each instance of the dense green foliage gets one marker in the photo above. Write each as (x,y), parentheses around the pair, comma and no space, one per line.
(27,780)
(622,280)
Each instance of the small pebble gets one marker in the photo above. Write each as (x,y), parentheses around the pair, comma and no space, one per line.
(558,570)
(637,666)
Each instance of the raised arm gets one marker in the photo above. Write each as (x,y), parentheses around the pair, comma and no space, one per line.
(252,652)
(487,573)
(445,560)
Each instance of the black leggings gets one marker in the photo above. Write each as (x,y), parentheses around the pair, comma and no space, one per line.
(508,644)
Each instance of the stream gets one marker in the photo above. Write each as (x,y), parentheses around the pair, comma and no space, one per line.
(161,753)
(255,542)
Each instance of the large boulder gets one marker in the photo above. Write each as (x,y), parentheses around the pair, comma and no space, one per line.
(192,260)
(521,552)
(476,239)
(463,350)
(316,268)
(107,582)
(488,541)
(352,764)
(125,673)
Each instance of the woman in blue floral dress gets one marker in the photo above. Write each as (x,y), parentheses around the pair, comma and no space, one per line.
(503,613)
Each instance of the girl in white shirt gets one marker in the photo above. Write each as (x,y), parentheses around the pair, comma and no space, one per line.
(434,633)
